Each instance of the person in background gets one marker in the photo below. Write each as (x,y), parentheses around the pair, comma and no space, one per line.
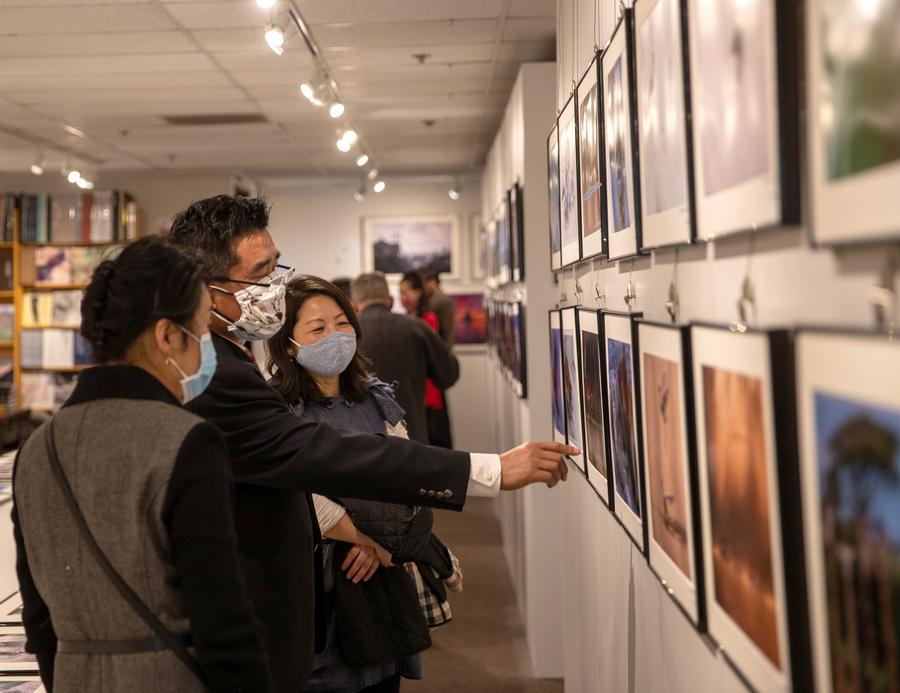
(277,459)
(412,296)
(152,482)
(316,367)
(403,350)
(440,304)
(343,283)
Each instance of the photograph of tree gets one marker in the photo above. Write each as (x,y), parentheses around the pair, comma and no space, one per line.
(858,464)
(738,487)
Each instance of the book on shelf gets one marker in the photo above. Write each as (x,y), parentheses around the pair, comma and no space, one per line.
(53,348)
(9,203)
(66,307)
(7,322)
(60,265)
(47,390)
(104,216)
(6,380)
(6,269)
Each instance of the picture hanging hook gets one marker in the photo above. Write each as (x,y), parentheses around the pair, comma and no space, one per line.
(883,297)
(746,304)
(630,293)
(673,302)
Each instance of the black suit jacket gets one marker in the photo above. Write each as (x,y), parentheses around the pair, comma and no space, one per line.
(406,350)
(276,459)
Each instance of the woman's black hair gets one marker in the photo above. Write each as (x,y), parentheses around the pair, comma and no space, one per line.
(288,377)
(150,279)
(414,279)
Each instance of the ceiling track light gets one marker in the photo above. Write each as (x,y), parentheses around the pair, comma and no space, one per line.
(453,193)
(362,160)
(371,175)
(37,168)
(343,145)
(379,186)
(265,4)
(336,110)
(350,136)
(360,194)
(73,176)
(275,38)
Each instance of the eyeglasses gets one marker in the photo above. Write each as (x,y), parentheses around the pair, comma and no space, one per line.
(287,273)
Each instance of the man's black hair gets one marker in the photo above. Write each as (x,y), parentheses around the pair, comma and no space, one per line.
(208,227)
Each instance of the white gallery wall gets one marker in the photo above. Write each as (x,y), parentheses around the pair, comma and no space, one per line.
(620,630)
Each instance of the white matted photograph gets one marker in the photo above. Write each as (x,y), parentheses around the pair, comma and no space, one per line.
(395,245)
(740,503)
(557,393)
(594,449)
(571,370)
(740,183)
(663,131)
(622,409)
(849,438)
(553,201)
(623,206)
(853,120)
(593,192)
(477,246)
(569,196)
(669,471)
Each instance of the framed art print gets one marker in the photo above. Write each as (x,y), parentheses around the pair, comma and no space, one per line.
(590,157)
(469,319)
(519,362)
(849,425)
(744,419)
(476,245)
(395,245)
(515,208)
(744,79)
(14,660)
(664,132)
(853,98)
(622,392)
(503,250)
(556,375)
(569,194)
(572,383)
(622,192)
(670,469)
(490,252)
(554,202)
(11,610)
(595,444)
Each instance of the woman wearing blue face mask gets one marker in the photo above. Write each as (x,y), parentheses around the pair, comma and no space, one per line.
(126,550)
(316,367)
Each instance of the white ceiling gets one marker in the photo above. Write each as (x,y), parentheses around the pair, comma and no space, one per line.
(112,68)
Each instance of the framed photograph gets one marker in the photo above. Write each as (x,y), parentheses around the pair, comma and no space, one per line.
(519,363)
(571,368)
(13,657)
(556,374)
(742,401)
(590,335)
(503,249)
(849,426)
(743,94)
(622,393)
(853,126)
(590,157)
(21,683)
(670,464)
(469,318)
(569,197)
(11,610)
(623,194)
(554,201)
(491,269)
(664,131)
(477,241)
(394,245)
(514,203)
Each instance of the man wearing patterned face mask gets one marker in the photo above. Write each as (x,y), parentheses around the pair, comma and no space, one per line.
(278,459)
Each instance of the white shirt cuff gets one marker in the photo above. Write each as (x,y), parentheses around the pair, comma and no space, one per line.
(484,475)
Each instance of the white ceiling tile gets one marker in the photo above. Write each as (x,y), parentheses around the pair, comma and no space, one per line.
(333,11)
(527,51)
(37,20)
(433,33)
(529,29)
(99,65)
(113,81)
(241,39)
(348,57)
(224,14)
(96,44)
(532,8)
(104,97)
(254,78)
(160,108)
(264,59)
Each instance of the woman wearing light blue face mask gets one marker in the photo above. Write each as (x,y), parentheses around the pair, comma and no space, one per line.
(150,499)
(315,365)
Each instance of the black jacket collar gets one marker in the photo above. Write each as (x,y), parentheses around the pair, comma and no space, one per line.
(119,382)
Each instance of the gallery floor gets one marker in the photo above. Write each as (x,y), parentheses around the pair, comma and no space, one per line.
(483,649)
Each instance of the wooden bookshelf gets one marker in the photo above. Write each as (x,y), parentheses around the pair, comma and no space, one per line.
(54,287)
(49,327)
(53,369)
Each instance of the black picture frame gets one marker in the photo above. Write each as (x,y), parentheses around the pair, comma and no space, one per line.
(685,230)
(747,205)
(688,594)
(557,394)
(732,350)
(553,197)
(591,321)
(573,390)
(635,524)
(626,242)
(591,81)
(515,206)
(521,355)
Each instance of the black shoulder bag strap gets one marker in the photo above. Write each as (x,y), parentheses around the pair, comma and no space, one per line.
(134,601)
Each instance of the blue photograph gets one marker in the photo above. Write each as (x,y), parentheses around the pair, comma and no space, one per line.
(858,466)
(559,422)
(622,424)
(573,405)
